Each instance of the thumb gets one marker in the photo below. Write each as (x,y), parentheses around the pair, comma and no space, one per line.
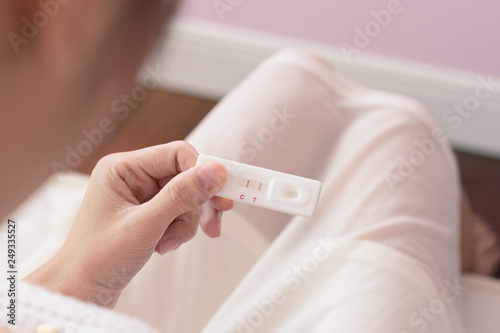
(187,191)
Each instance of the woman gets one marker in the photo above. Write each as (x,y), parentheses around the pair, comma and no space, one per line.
(381,252)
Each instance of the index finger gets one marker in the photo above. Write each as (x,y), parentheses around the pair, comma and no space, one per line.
(164,161)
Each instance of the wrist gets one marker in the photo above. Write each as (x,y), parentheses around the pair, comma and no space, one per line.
(64,276)
(54,276)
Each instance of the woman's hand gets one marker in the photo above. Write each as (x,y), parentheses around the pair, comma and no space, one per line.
(137,203)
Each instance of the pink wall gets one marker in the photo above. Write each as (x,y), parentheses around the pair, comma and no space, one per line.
(463,34)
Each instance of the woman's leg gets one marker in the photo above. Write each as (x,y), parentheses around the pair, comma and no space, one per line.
(295,115)
(389,177)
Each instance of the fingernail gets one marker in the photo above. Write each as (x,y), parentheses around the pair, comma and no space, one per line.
(170,245)
(210,175)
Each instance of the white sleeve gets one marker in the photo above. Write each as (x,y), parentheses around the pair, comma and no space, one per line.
(36,306)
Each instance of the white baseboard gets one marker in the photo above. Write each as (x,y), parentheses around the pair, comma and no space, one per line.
(208,60)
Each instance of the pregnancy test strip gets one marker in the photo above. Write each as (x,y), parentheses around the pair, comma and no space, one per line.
(268,188)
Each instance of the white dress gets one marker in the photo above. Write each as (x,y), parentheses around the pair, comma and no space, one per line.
(380,255)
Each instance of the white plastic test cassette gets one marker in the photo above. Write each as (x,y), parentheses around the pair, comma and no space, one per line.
(268,188)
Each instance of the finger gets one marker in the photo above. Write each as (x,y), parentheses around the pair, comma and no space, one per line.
(181,230)
(186,191)
(144,172)
(210,220)
(221,204)
(165,160)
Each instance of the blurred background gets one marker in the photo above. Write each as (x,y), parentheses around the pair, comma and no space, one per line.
(455,34)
